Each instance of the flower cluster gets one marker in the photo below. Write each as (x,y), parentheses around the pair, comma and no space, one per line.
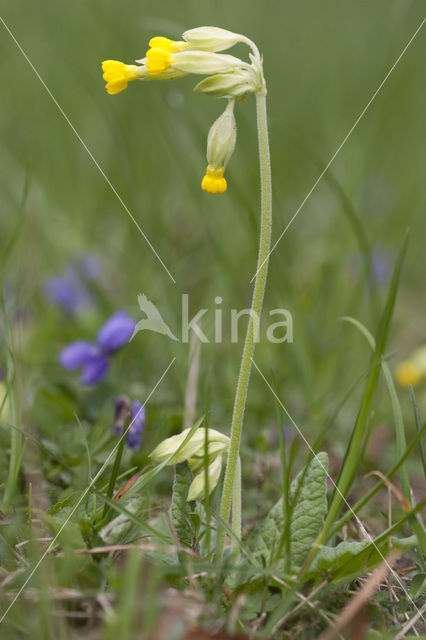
(94,357)
(194,452)
(135,413)
(412,370)
(226,77)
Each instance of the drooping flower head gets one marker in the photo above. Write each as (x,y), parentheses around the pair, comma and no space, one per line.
(94,357)
(226,77)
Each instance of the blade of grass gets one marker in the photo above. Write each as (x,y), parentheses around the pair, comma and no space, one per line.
(115,468)
(401,443)
(418,427)
(15,436)
(285,478)
(357,441)
(362,501)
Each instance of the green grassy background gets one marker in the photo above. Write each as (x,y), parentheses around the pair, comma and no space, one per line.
(323,61)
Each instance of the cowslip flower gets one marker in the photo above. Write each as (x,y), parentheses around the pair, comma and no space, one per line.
(135,411)
(94,357)
(220,146)
(226,76)
(193,452)
(412,370)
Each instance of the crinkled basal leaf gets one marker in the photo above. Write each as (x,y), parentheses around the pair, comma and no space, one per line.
(308,497)
(181,509)
(265,538)
(308,504)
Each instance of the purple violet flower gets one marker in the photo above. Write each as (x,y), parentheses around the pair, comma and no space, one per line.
(136,411)
(67,291)
(94,358)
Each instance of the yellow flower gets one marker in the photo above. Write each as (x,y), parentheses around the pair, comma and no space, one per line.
(213,181)
(157,61)
(158,42)
(159,57)
(117,75)
(407,372)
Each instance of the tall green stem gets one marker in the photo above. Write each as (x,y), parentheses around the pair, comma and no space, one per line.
(254,319)
(236,511)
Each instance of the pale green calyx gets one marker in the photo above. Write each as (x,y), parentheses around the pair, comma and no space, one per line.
(204,447)
(198,489)
(229,85)
(212,38)
(205,62)
(222,138)
(194,447)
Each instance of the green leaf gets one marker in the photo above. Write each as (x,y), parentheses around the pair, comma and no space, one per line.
(117,529)
(418,585)
(308,506)
(350,559)
(180,509)
(309,493)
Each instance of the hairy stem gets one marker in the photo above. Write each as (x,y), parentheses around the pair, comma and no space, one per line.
(253,323)
(236,511)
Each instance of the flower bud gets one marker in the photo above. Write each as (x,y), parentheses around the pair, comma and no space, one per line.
(205,62)
(214,448)
(197,488)
(235,84)
(222,138)
(212,38)
(193,447)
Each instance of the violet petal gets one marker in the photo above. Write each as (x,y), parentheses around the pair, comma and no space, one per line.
(95,370)
(116,332)
(77,354)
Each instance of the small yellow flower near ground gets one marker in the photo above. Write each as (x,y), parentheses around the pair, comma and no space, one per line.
(213,181)
(407,372)
(117,75)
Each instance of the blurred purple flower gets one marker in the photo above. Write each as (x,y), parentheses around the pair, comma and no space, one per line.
(94,358)
(116,331)
(381,264)
(88,267)
(69,290)
(124,409)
